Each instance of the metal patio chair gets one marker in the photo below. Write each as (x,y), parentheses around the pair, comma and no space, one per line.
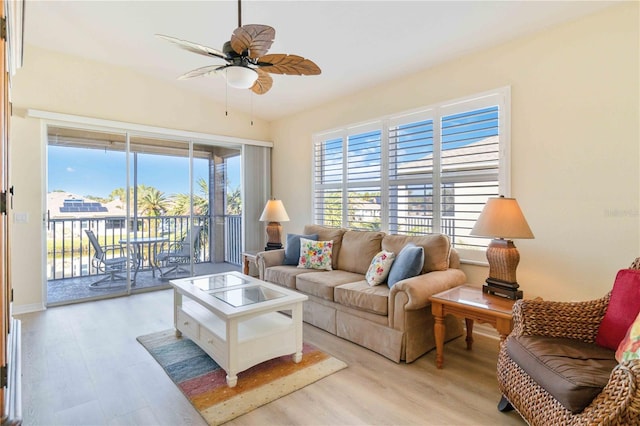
(112,265)
(178,256)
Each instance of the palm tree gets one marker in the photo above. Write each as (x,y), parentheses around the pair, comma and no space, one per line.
(181,206)
(153,202)
(234,202)
(201,200)
(182,202)
(118,193)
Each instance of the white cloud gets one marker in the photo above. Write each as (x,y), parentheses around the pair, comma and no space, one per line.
(71,169)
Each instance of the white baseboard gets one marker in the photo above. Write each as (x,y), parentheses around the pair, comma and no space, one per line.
(25,309)
(482,329)
(485,330)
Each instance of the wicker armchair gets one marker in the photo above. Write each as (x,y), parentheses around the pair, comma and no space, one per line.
(619,401)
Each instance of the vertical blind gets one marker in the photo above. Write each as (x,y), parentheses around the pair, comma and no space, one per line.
(417,173)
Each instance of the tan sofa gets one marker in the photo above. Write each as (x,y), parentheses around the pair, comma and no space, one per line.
(396,322)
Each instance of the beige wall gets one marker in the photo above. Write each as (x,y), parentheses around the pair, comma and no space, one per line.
(575,142)
(574,153)
(53,82)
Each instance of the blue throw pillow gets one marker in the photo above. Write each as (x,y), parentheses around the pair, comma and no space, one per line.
(292,249)
(408,264)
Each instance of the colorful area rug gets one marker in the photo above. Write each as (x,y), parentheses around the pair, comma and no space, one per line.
(204,383)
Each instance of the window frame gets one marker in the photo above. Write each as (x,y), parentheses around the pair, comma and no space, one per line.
(500,97)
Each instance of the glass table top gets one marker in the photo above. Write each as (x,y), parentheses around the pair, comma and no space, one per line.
(244,296)
(218,282)
(234,289)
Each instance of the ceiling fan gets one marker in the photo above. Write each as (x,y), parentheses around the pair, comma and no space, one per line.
(247,63)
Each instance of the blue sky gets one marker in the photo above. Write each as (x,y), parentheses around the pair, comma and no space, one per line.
(97,172)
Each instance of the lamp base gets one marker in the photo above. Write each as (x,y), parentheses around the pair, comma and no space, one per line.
(274,242)
(273,246)
(502,288)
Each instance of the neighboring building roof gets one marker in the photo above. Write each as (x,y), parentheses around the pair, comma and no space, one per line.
(67,205)
(473,155)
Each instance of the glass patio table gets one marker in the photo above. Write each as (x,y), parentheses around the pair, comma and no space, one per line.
(138,243)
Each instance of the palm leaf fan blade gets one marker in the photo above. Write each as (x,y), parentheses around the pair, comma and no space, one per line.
(202,72)
(256,39)
(263,83)
(281,63)
(194,47)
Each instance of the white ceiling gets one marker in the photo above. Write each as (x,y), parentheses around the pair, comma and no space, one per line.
(357,44)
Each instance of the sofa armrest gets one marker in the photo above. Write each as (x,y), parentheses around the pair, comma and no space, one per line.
(417,290)
(574,320)
(266,259)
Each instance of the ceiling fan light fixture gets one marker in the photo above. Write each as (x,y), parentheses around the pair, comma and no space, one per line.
(240,77)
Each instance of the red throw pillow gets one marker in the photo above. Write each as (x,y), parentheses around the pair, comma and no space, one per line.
(623,308)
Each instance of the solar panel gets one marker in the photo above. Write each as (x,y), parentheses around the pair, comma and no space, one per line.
(80,206)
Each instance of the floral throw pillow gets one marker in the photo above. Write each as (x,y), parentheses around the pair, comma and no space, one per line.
(379,268)
(629,347)
(315,254)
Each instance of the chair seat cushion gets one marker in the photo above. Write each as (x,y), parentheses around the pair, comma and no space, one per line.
(572,371)
(115,262)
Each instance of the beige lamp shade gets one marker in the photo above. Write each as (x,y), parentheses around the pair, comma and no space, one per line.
(274,212)
(502,218)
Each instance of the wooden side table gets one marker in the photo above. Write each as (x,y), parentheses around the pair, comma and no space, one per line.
(247,258)
(471,304)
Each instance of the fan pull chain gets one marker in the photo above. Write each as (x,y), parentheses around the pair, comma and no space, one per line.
(226,97)
(251,94)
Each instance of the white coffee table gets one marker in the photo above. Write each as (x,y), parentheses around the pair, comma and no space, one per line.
(238,320)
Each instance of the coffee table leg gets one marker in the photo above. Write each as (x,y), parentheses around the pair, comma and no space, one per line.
(232,380)
(245,265)
(297,357)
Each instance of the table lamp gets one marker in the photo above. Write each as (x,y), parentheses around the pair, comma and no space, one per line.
(274,213)
(502,219)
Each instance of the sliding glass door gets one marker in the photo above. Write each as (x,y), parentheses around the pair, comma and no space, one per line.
(128,212)
(86,221)
(161,237)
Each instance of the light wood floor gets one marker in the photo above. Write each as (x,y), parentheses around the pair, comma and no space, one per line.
(83,366)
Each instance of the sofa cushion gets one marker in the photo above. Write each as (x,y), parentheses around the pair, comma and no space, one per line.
(322,283)
(436,249)
(292,249)
(285,275)
(408,264)
(623,307)
(358,248)
(361,295)
(572,371)
(315,254)
(328,234)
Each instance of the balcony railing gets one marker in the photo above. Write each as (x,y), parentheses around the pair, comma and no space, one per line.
(69,252)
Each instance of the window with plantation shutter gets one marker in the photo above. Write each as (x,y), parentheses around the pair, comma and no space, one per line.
(364,168)
(411,168)
(426,171)
(328,177)
(469,172)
